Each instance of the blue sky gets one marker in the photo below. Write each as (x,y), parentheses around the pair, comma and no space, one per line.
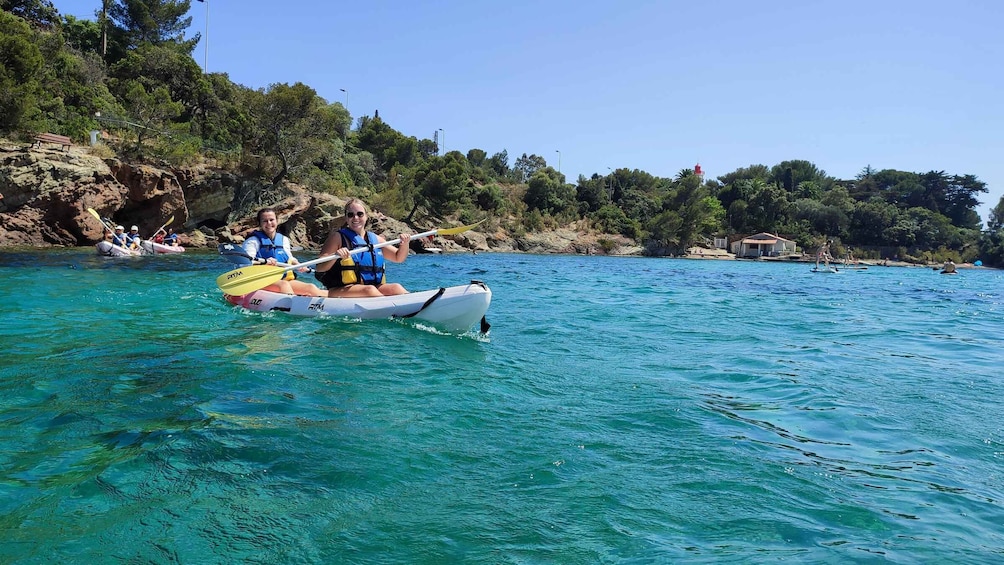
(657,86)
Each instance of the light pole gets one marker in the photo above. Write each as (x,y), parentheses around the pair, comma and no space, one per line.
(346,98)
(205,61)
(442,138)
(559,160)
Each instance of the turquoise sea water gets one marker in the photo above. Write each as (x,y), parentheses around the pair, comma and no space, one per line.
(622,410)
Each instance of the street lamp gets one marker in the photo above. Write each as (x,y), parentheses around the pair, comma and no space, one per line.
(346,98)
(205,61)
(559,160)
(442,138)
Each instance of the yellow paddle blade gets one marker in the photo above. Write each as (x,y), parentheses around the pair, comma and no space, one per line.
(460,229)
(249,279)
(95,214)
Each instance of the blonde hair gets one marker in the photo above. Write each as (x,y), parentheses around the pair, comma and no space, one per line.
(352,201)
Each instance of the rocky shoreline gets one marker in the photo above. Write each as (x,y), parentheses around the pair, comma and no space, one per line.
(47,191)
(45,194)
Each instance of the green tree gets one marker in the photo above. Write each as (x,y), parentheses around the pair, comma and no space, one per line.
(20,72)
(151,110)
(163,65)
(440,183)
(288,119)
(689,211)
(384,142)
(798,177)
(154,21)
(526,166)
(477,157)
(545,192)
(869,221)
(82,35)
(38,13)
(991,242)
(499,165)
(592,193)
(612,219)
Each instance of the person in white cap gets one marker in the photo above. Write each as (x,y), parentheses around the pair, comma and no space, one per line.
(119,238)
(133,238)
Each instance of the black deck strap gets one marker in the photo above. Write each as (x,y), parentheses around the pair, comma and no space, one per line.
(426,305)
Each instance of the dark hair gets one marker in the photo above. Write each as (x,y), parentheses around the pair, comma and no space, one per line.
(263,210)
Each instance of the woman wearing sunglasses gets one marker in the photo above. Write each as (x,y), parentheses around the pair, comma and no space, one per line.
(360,274)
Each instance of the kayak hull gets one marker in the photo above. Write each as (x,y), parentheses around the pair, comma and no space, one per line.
(150,247)
(455,308)
(107,249)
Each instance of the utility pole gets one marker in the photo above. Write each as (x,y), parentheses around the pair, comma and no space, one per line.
(104,28)
(205,40)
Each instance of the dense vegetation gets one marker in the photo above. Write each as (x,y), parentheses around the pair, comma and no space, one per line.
(130,72)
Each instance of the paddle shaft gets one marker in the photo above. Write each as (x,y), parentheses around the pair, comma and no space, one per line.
(358,250)
(167,223)
(98,216)
(239,251)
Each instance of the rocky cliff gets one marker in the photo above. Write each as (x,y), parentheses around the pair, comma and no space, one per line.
(46,193)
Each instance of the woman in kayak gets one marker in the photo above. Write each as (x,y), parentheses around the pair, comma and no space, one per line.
(171,238)
(360,274)
(271,247)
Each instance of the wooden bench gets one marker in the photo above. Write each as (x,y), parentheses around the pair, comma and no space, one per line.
(53,138)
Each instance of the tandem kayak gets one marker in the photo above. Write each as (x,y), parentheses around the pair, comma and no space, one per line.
(150,247)
(455,308)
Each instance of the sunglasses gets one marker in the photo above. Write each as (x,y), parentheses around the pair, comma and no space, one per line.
(357,214)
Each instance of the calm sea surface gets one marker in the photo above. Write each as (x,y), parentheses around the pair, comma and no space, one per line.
(622,410)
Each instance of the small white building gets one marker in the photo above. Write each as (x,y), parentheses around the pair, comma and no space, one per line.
(763,245)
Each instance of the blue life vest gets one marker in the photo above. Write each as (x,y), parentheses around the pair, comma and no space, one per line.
(268,249)
(366,266)
(171,239)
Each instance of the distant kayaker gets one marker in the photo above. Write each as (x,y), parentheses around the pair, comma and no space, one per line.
(133,239)
(361,274)
(270,246)
(119,237)
(823,254)
(171,238)
(949,266)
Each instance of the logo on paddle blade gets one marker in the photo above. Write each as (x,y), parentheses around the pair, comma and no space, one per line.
(237,274)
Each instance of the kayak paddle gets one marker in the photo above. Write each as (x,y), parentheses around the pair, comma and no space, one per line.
(254,277)
(229,249)
(167,223)
(98,216)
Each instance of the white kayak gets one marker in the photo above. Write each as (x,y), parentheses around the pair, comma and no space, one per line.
(455,308)
(150,247)
(108,249)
